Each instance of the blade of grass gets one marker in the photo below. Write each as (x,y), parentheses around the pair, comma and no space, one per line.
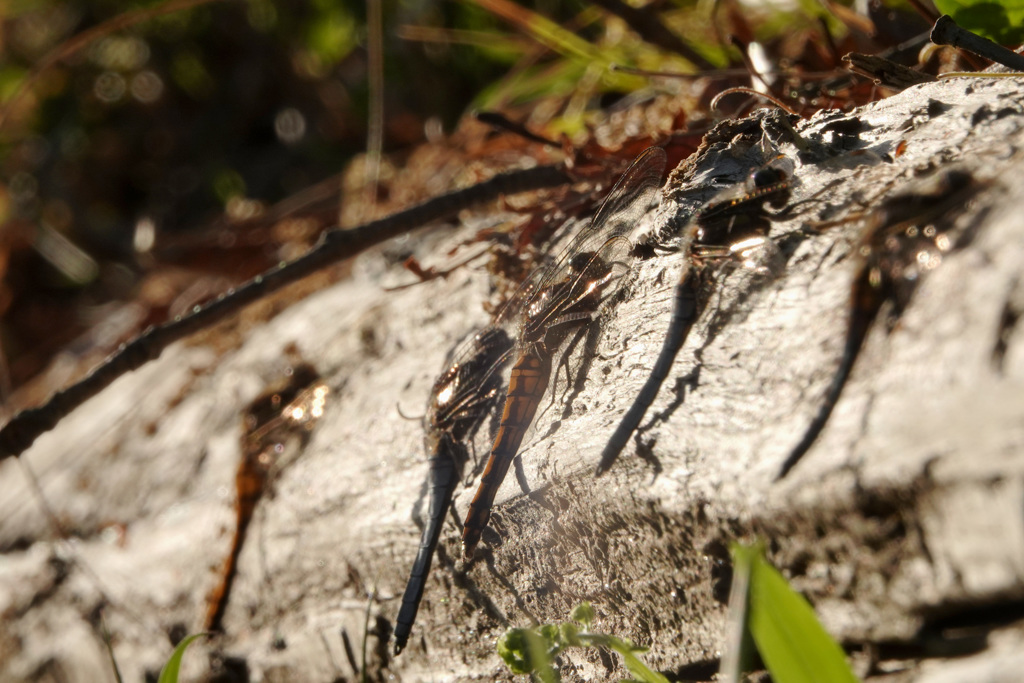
(495,45)
(364,674)
(530,84)
(375,115)
(648,27)
(561,41)
(169,674)
(542,29)
(791,641)
(108,643)
(740,650)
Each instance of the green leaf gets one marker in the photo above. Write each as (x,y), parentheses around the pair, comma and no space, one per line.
(634,665)
(1002,22)
(791,641)
(583,614)
(228,183)
(11,78)
(512,649)
(191,74)
(333,35)
(541,651)
(169,674)
(530,651)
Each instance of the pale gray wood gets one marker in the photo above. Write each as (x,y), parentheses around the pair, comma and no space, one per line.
(907,507)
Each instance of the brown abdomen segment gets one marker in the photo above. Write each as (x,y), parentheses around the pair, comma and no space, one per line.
(525,388)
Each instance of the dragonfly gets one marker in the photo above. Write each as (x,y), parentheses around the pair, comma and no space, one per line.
(905,237)
(460,400)
(566,297)
(274,417)
(732,226)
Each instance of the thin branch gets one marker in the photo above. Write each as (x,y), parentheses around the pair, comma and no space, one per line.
(948,32)
(334,245)
(375,115)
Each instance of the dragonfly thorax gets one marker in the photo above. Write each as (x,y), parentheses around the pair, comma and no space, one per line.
(568,302)
(741,217)
(735,216)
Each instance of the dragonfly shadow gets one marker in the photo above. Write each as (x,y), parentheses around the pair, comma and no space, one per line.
(906,235)
(575,373)
(463,581)
(684,385)
(575,381)
(1010,317)
(535,495)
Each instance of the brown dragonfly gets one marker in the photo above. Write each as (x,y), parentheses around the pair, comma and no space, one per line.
(563,298)
(461,399)
(733,225)
(905,237)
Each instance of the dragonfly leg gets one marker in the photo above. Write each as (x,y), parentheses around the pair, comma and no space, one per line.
(574,385)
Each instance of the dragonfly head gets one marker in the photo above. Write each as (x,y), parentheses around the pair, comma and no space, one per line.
(465,391)
(442,397)
(579,262)
(589,267)
(743,216)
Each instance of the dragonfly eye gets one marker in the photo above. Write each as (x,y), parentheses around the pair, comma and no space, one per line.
(765,177)
(579,262)
(445,395)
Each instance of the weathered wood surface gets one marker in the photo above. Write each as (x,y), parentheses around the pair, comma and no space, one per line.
(903,520)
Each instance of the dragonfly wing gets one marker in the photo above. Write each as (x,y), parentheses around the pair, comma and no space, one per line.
(627,202)
(625,205)
(633,193)
(592,280)
(591,268)
(460,401)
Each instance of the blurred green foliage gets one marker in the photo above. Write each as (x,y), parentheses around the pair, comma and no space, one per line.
(161,123)
(164,121)
(145,120)
(532,650)
(1002,22)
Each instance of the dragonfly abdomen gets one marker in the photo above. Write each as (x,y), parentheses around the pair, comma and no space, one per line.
(526,386)
(443,477)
